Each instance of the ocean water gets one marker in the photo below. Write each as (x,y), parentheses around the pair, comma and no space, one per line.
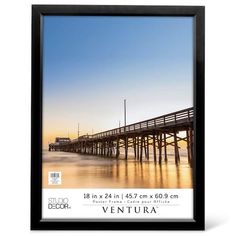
(89,171)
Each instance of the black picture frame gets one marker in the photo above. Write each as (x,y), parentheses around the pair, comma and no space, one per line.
(38,11)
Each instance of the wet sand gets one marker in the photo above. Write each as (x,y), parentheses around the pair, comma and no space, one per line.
(86,171)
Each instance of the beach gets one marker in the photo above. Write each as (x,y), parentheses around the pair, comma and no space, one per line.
(88,171)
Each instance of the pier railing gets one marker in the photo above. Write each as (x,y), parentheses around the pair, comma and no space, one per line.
(174,118)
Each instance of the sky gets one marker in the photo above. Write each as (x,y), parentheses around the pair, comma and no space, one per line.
(92,63)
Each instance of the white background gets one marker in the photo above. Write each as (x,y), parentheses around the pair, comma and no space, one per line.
(15,72)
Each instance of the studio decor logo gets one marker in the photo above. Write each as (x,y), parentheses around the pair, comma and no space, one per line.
(58,203)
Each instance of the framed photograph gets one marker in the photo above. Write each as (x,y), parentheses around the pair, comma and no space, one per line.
(117,117)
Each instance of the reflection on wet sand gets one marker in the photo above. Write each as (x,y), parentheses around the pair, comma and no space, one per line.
(84,171)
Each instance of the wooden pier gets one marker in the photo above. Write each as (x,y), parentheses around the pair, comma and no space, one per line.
(156,134)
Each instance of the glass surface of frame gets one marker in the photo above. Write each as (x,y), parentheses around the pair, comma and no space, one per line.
(117,117)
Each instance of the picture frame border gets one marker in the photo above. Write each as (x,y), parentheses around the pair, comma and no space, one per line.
(38,11)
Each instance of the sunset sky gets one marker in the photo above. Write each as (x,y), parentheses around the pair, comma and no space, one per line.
(92,63)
